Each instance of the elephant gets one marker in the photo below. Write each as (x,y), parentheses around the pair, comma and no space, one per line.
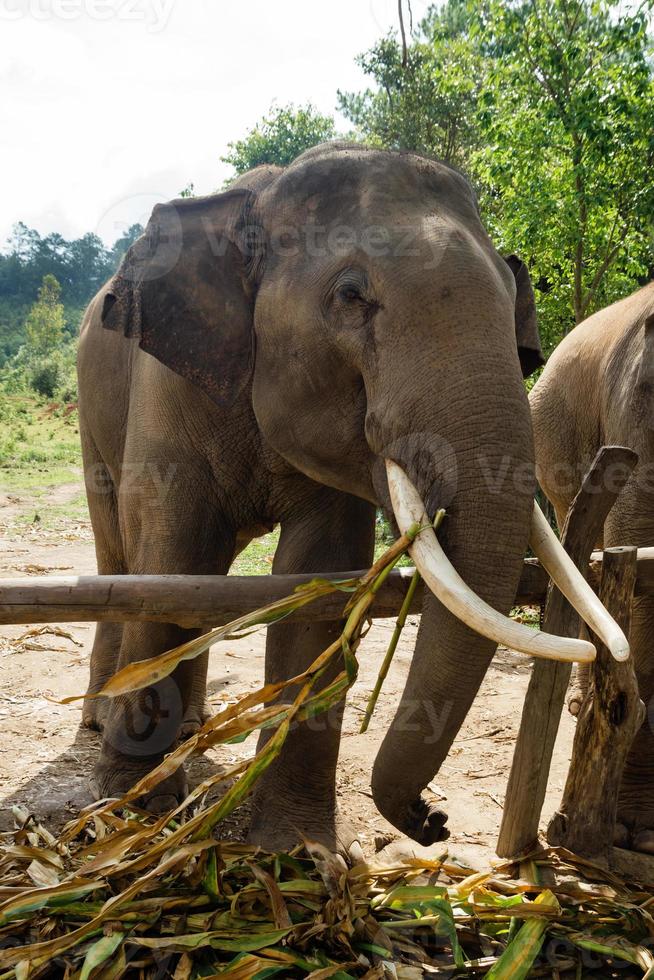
(257,358)
(595,390)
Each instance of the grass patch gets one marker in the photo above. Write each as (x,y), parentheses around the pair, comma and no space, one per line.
(52,516)
(39,443)
(257,558)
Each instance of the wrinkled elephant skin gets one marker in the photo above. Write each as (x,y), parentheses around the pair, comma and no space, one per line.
(255,360)
(598,389)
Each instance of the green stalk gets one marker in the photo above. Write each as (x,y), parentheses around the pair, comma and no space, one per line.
(518,958)
(397,632)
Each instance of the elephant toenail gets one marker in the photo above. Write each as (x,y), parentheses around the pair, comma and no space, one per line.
(159,805)
(643,841)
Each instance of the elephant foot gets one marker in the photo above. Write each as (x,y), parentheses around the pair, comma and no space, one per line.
(274,831)
(634,831)
(114,777)
(95,712)
(422,819)
(621,836)
(195,717)
(575,701)
(643,841)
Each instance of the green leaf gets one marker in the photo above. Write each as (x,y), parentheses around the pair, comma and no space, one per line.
(518,958)
(100,952)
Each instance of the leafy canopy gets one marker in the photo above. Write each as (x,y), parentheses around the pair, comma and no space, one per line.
(425,98)
(280,137)
(565,167)
(548,106)
(80,267)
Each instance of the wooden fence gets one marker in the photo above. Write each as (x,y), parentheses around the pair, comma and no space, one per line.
(609,718)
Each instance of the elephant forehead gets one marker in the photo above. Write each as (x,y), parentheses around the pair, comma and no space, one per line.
(356,183)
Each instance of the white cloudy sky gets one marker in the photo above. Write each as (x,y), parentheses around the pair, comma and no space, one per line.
(107,106)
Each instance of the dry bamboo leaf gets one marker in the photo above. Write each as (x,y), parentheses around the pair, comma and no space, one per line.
(167,891)
(281,918)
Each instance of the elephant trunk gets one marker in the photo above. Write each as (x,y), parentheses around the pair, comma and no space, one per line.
(487,529)
(448,586)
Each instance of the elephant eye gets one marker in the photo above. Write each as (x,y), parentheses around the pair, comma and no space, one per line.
(349,293)
(350,297)
(351,286)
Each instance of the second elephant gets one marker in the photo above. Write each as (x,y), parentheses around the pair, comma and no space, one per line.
(598,389)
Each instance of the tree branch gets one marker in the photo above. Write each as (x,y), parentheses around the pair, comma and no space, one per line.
(405,54)
(610,253)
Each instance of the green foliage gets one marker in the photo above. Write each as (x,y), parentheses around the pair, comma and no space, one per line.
(280,137)
(44,327)
(80,267)
(45,364)
(565,166)
(52,375)
(426,101)
(547,105)
(44,377)
(39,443)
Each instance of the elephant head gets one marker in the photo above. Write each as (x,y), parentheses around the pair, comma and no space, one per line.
(357,301)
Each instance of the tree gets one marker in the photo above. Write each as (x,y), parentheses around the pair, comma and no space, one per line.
(128,238)
(280,137)
(547,105)
(44,327)
(426,92)
(80,267)
(565,167)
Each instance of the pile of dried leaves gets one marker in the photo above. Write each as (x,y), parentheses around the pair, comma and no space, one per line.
(122,893)
(82,908)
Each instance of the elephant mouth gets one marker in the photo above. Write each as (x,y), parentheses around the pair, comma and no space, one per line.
(447,585)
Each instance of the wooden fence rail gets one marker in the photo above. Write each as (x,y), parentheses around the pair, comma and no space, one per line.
(212,600)
(198,600)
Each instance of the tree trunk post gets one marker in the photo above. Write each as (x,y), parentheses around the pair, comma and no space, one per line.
(545,697)
(608,720)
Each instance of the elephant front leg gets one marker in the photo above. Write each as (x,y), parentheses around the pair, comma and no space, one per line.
(578,690)
(104,658)
(143,726)
(187,536)
(297,794)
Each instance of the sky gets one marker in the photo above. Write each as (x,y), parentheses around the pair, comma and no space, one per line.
(109,106)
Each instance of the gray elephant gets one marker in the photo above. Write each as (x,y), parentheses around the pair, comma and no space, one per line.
(285,338)
(598,389)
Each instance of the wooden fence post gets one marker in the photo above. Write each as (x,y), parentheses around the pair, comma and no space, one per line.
(609,718)
(541,714)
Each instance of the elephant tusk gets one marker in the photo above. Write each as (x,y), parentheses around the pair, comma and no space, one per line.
(448,586)
(567,577)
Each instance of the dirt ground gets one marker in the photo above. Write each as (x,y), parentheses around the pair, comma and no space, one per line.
(46,756)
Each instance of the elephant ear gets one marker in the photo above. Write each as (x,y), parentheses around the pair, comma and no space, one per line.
(526,323)
(183,291)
